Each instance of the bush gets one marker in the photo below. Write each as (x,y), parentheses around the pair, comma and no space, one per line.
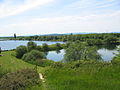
(33,55)
(44,62)
(31,45)
(20,51)
(45,47)
(39,48)
(58,46)
(19,80)
(57,65)
(80,51)
(116,60)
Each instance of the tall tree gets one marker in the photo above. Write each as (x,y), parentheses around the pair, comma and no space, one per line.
(0,50)
(31,45)
(80,51)
(15,35)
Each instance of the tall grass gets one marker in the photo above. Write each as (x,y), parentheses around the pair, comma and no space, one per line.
(94,76)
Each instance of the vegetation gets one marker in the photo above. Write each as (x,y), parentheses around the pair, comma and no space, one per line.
(116,59)
(80,74)
(82,68)
(0,50)
(19,80)
(31,46)
(80,51)
(15,35)
(33,55)
(45,47)
(84,75)
(81,37)
(20,51)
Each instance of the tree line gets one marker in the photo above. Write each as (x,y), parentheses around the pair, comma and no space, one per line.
(97,38)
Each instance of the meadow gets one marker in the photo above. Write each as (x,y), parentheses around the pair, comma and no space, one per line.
(78,75)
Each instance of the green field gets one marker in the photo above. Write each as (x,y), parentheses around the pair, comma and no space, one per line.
(87,75)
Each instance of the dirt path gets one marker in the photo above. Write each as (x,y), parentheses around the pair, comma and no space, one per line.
(43,81)
(41,77)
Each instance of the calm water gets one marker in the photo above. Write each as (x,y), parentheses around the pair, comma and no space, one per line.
(106,52)
(12,44)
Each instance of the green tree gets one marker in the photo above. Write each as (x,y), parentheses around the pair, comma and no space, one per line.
(45,47)
(20,51)
(58,46)
(31,45)
(0,50)
(15,35)
(80,51)
(110,40)
(33,55)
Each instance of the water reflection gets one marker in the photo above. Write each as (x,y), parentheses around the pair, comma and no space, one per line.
(56,55)
(107,46)
(58,51)
(107,53)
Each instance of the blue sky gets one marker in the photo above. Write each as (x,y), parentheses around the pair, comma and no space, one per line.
(31,17)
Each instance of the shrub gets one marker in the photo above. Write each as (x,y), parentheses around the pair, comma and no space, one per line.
(19,80)
(57,65)
(45,47)
(33,55)
(20,51)
(80,51)
(44,62)
(31,45)
(116,60)
(58,46)
(39,48)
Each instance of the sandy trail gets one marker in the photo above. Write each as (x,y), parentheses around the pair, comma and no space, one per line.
(41,77)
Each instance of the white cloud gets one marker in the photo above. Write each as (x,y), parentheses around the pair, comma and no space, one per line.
(9,9)
(67,24)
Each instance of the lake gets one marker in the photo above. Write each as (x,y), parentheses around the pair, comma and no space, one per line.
(106,52)
(12,44)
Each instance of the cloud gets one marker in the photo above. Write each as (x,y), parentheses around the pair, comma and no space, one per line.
(87,4)
(67,24)
(8,8)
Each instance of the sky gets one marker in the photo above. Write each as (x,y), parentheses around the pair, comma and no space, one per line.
(36,17)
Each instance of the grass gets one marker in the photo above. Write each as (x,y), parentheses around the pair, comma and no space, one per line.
(84,78)
(11,63)
(75,76)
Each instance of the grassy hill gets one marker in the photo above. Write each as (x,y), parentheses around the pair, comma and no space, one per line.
(80,75)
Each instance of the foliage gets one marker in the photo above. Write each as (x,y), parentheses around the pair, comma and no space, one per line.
(45,47)
(71,37)
(90,75)
(57,65)
(0,50)
(39,48)
(20,51)
(58,46)
(110,40)
(19,80)
(81,51)
(95,42)
(15,35)
(33,55)
(31,45)
(116,59)
(44,62)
